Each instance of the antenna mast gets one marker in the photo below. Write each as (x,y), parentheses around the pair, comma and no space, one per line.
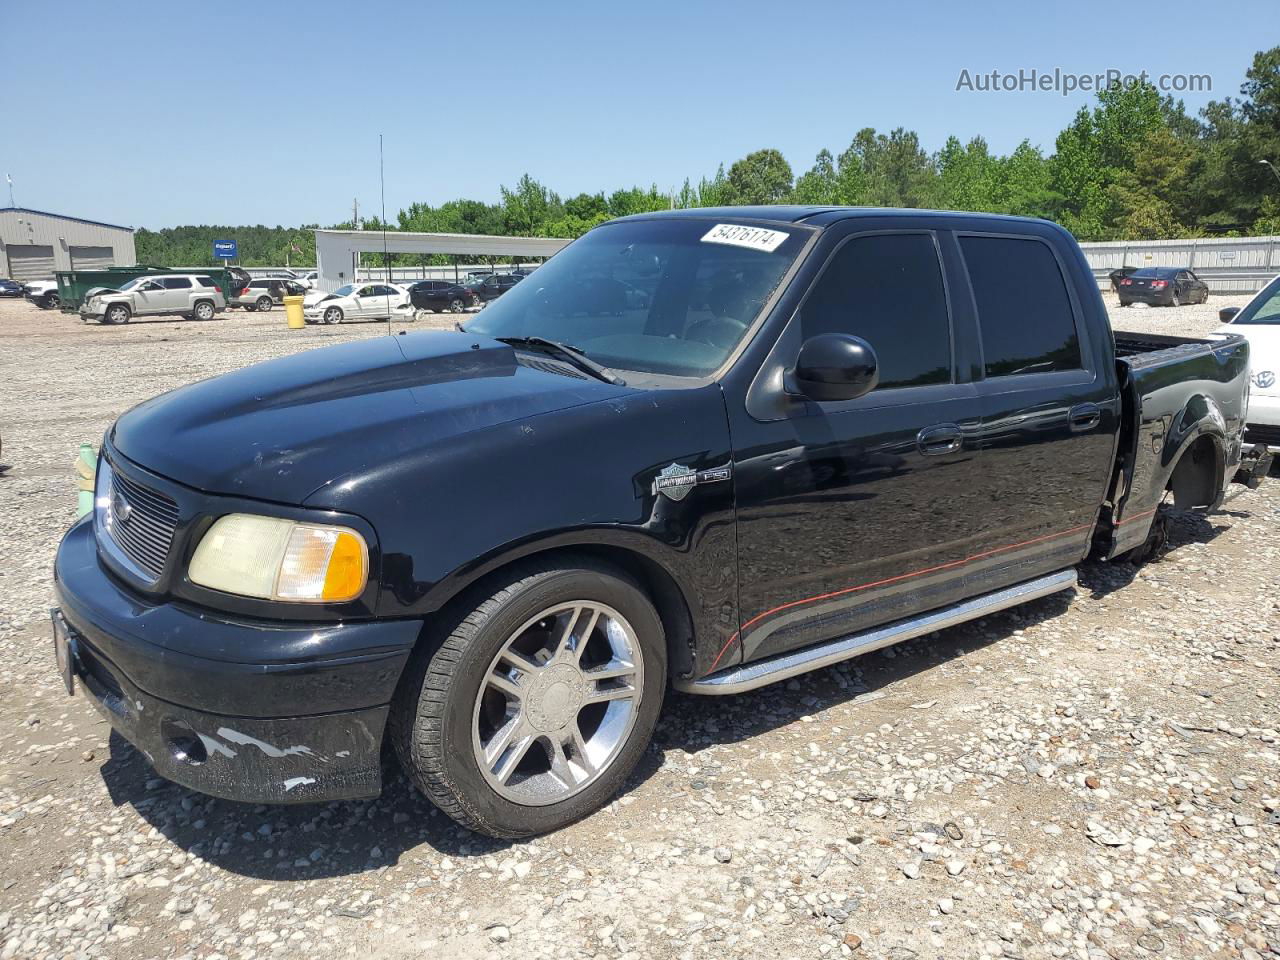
(386,257)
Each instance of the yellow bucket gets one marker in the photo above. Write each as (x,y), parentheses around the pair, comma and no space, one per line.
(293,313)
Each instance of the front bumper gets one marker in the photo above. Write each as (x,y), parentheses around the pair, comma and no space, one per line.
(1262,425)
(271,731)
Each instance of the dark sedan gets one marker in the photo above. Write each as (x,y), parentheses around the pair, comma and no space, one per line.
(1162,286)
(491,288)
(440,295)
(10,288)
(1115,276)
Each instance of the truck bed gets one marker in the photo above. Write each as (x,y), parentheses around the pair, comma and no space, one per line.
(1137,349)
(1174,391)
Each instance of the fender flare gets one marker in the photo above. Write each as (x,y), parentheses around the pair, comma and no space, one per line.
(644,557)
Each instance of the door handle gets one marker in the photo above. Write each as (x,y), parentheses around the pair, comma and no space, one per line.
(1086,416)
(938,440)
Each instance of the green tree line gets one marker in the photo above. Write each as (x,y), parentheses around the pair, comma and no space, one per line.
(1135,165)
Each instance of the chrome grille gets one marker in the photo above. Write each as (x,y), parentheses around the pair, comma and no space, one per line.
(141,521)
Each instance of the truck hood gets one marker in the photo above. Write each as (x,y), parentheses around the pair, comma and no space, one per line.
(283,429)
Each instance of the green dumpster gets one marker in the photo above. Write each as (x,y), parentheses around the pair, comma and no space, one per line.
(74,284)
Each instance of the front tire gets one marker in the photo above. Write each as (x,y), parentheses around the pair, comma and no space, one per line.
(537,699)
(1125,303)
(117,313)
(333,315)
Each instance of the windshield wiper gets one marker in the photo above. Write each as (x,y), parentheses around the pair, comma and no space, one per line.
(575,356)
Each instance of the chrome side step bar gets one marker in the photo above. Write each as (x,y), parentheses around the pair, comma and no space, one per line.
(763,672)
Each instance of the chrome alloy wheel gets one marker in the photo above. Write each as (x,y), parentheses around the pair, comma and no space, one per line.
(558,702)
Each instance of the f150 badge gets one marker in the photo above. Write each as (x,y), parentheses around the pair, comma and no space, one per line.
(677,480)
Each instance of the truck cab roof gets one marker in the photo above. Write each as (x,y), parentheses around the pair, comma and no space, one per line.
(819,215)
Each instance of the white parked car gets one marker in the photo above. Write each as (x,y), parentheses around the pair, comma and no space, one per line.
(358,301)
(309,279)
(43,293)
(1259,322)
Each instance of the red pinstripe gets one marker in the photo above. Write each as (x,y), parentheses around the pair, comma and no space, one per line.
(903,576)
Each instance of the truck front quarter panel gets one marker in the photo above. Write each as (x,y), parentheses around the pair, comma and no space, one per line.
(584,479)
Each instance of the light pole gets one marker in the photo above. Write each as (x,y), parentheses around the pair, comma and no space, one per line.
(1270,166)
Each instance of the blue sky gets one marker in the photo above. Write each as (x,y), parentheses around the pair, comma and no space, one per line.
(129,114)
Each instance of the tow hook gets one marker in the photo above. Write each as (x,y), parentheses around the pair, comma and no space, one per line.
(1254,465)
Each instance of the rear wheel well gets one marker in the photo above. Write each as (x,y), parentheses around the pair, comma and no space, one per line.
(1194,481)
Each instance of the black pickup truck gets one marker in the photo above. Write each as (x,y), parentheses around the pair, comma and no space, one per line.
(818,432)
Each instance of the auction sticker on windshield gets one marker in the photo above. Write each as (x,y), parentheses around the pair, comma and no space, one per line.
(753,238)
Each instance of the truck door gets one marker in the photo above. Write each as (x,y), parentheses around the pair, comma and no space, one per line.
(859,512)
(1049,404)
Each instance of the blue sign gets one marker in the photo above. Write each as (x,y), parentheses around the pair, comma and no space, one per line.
(225,249)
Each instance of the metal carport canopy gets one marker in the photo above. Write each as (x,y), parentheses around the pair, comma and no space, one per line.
(336,249)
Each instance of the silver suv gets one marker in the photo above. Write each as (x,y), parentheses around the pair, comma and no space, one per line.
(262,292)
(184,294)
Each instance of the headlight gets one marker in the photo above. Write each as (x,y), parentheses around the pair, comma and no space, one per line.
(275,559)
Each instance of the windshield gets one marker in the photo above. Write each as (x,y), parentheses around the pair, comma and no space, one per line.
(132,283)
(665,296)
(1264,308)
(344,291)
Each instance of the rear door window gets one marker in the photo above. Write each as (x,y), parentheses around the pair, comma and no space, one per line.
(888,290)
(1024,311)
(176,283)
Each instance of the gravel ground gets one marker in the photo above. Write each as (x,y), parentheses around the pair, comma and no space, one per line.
(1094,777)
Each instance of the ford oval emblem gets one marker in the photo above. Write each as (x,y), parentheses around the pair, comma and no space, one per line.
(1264,379)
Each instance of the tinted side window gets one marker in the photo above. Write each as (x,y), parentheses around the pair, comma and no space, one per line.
(1024,311)
(888,290)
(204,281)
(177,283)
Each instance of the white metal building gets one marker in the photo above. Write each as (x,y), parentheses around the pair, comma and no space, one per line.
(337,251)
(34,244)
